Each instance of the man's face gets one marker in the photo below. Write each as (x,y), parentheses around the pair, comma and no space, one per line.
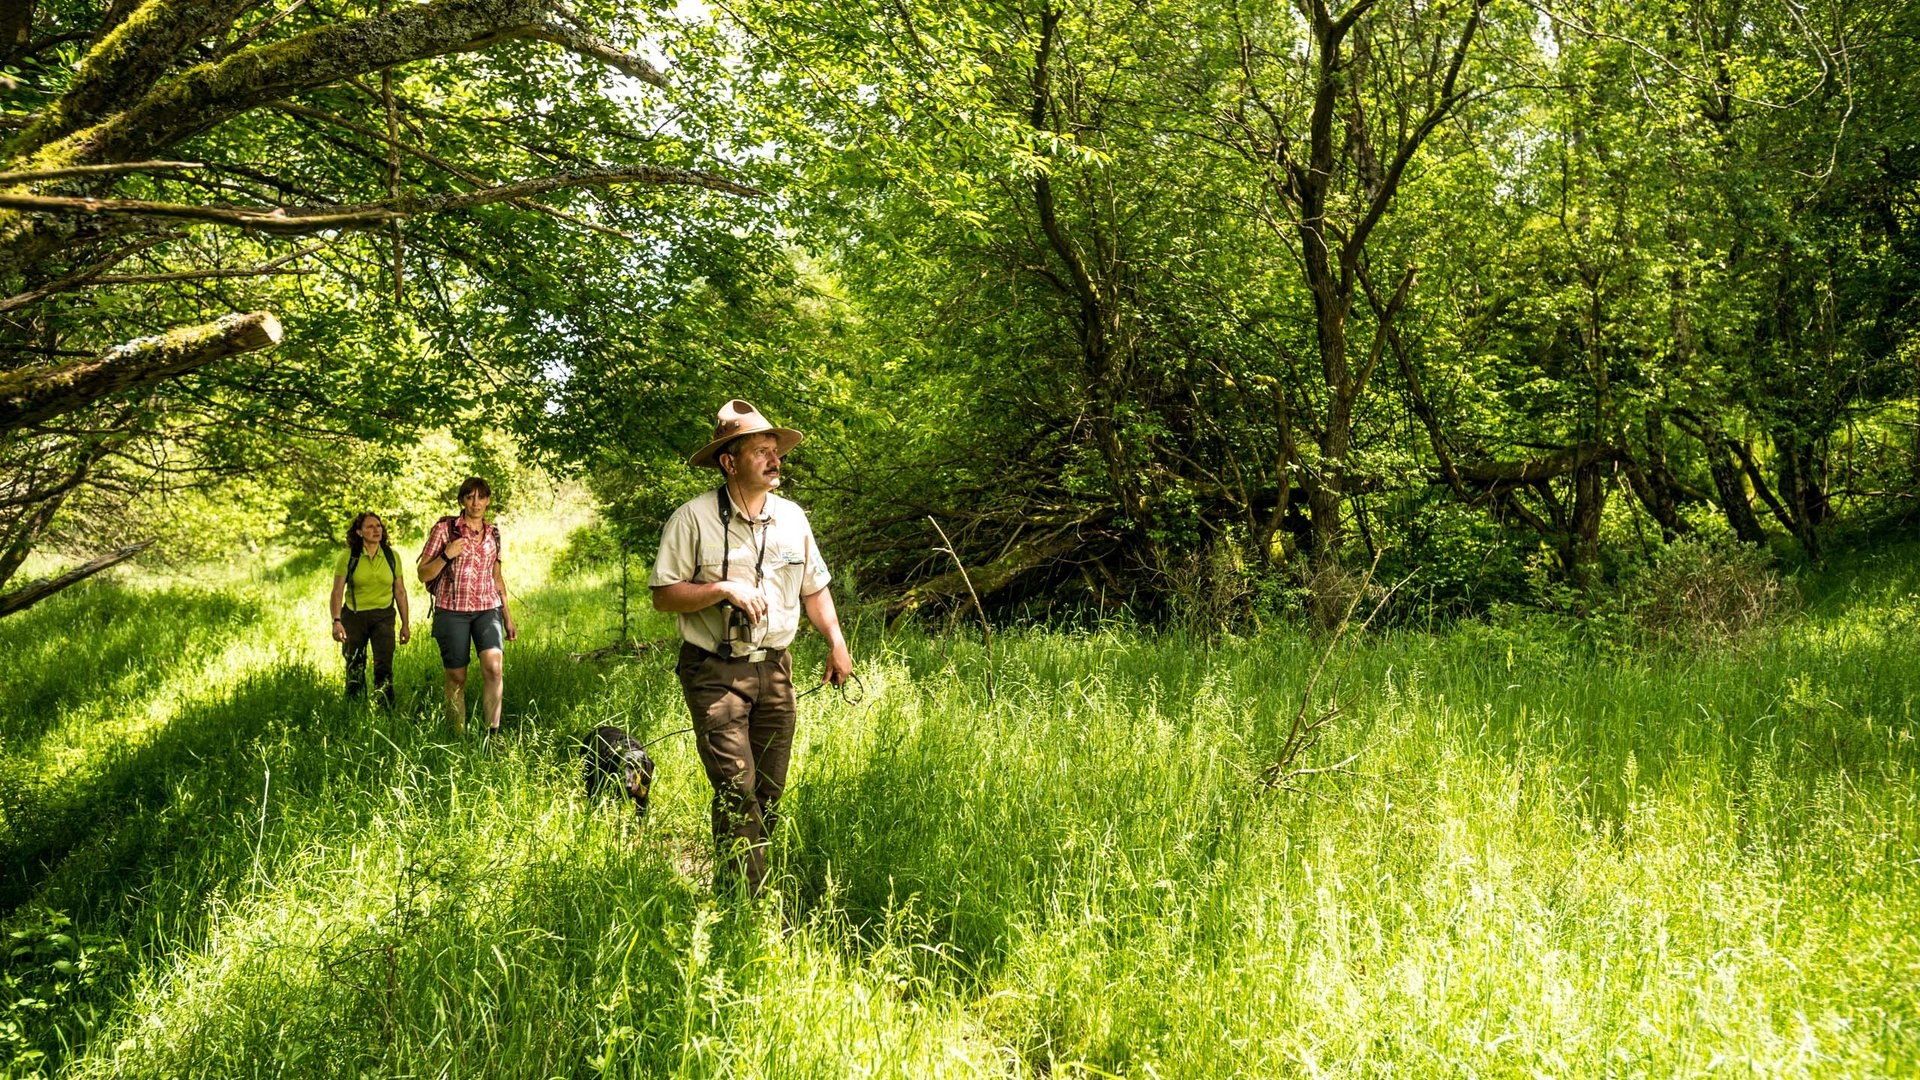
(757,462)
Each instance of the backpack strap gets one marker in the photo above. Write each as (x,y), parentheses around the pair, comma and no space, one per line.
(452,522)
(353,560)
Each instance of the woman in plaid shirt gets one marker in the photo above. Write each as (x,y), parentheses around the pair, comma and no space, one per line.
(461,565)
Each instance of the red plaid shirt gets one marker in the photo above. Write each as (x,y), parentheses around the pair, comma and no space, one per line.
(467,583)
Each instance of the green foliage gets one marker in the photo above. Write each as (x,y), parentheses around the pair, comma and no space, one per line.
(49,978)
(590,549)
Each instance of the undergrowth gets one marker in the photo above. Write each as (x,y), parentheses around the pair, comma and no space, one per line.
(1546,857)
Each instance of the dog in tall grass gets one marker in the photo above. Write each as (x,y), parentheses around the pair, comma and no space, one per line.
(611,753)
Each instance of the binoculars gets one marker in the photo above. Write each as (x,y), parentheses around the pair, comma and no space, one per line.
(739,625)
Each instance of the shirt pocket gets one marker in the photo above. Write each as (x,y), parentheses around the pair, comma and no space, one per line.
(787,568)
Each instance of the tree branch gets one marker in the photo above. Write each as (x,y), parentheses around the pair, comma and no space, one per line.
(73,171)
(29,396)
(1534,470)
(293,221)
(1449,98)
(585,44)
(453,169)
(28,595)
(202,97)
(125,65)
(82,277)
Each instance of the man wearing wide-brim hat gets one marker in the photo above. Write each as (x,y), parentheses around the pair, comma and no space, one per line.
(737,565)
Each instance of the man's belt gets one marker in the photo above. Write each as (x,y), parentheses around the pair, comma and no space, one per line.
(755,655)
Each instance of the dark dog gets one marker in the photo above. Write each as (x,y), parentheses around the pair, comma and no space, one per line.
(611,752)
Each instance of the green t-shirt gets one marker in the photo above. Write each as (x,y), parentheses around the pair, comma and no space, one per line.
(372,586)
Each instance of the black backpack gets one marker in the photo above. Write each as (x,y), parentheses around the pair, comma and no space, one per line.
(452,521)
(353,560)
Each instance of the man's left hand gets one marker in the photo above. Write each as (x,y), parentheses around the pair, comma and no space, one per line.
(839,666)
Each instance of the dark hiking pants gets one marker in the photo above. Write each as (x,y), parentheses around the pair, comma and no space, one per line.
(743,715)
(369,631)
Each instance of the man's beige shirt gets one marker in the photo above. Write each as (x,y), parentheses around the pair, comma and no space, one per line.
(781,543)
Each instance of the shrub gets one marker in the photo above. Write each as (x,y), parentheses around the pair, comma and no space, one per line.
(1209,590)
(588,548)
(1696,593)
(1334,591)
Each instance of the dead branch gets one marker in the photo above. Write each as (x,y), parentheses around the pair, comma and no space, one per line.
(986,631)
(1307,728)
(289,221)
(33,592)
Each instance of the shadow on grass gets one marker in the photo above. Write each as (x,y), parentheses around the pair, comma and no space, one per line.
(97,641)
(137,848)
(109,807)
(142,840)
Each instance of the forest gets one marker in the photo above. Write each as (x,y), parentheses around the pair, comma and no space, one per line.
(1397,511)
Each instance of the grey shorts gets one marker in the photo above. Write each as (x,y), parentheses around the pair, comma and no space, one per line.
(459,631)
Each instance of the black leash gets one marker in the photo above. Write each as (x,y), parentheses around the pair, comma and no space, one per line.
(855,696)
(670,734)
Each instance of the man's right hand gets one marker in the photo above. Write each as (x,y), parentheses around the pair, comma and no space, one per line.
(747,598)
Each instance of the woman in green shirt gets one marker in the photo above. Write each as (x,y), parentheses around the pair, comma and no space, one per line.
(367,592)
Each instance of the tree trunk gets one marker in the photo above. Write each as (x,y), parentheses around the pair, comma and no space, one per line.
(1652,479)
(1582,545)
(1802,491)
(1732,488)
(16,29)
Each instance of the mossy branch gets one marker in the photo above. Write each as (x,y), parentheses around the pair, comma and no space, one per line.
(28,396)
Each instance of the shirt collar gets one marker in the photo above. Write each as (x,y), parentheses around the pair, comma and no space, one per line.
(766,509)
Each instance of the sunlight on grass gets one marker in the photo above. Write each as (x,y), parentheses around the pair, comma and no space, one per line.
(1543,860)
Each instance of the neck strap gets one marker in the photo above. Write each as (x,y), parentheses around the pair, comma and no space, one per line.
(724,499)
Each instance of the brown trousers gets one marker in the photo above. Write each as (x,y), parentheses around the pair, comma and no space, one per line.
(743,716)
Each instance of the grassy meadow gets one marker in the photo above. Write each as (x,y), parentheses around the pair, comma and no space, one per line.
(1546,858)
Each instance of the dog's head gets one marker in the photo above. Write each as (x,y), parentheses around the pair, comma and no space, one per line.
(636,773)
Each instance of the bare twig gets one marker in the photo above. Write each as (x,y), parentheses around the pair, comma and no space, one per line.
(1307,727)
(308,219)
(73,171)
(986,631)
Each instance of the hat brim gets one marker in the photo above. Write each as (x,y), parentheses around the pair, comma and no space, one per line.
(708,455)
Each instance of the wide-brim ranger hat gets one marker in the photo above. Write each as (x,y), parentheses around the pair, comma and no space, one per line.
(737,418)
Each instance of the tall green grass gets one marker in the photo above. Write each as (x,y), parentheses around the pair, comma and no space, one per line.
(1545,859)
